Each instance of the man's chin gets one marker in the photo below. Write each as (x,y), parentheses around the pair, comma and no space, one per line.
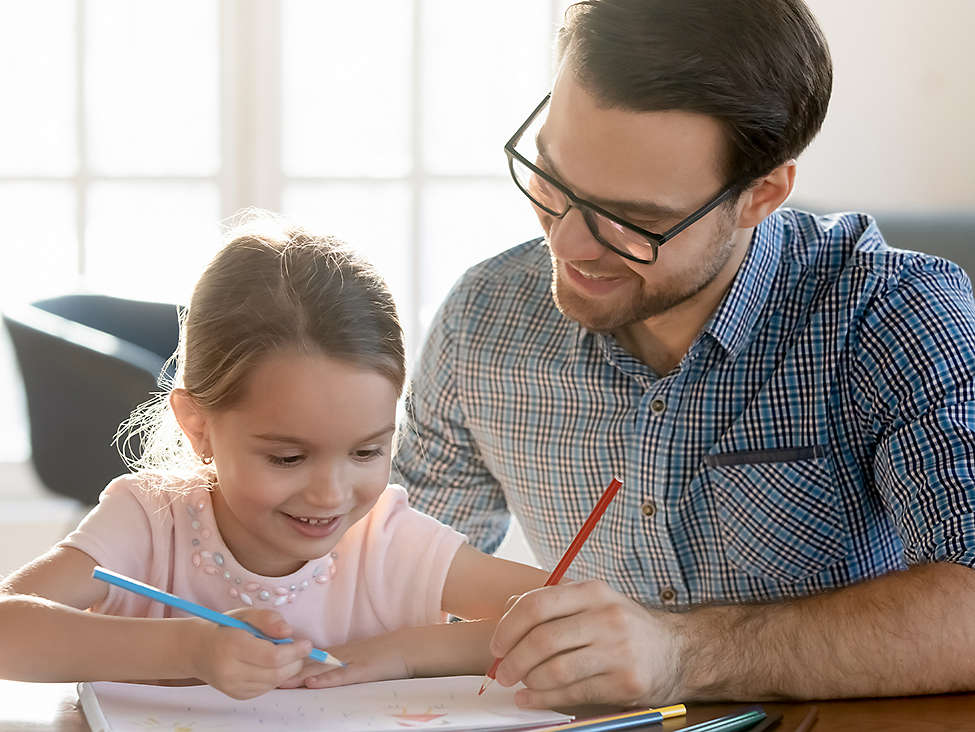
(597,318)
(607,317)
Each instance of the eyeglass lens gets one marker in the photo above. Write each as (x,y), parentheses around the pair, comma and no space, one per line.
(546,196)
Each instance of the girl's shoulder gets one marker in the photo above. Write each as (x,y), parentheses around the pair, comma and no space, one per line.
(392,519)
(390,505)
(156,492)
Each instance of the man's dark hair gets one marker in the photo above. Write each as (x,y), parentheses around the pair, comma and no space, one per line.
(761,67)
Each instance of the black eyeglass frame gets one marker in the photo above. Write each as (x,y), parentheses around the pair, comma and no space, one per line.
(654,240)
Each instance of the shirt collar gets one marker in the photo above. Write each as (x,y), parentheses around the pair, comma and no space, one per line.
(735,317)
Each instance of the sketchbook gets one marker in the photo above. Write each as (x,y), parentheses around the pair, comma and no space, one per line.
(443,704)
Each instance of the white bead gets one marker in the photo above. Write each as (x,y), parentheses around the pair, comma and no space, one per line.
(246,598)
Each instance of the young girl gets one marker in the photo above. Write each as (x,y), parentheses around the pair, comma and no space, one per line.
(262,490)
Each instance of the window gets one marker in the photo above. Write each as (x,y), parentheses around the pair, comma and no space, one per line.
(134,129)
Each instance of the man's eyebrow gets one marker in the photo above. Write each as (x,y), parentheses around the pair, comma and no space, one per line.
(645,208)
(290,439)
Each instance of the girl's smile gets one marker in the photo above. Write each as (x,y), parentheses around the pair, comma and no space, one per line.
(316,528)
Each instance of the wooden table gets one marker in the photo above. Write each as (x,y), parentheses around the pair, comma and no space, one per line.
(37,707)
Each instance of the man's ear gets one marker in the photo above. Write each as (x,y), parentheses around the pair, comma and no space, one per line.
(766,194)
(192,420)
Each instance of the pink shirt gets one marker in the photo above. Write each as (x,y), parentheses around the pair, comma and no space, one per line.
(387,572)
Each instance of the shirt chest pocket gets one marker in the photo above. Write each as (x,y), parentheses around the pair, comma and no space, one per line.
(778,519)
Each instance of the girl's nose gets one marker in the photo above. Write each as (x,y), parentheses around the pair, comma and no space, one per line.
(328,489)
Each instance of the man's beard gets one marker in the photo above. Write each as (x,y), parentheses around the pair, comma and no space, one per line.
(645,304)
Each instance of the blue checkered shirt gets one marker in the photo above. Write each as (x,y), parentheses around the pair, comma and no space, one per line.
(819,431)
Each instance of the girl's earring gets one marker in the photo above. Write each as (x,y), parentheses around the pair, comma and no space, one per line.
(206,459)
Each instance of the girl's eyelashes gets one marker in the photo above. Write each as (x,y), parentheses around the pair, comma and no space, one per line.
(362,455)
(285,460)
(368,453)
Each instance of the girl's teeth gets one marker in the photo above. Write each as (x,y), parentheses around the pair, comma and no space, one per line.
(312,521)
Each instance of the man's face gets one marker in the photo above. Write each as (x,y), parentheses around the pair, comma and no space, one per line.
(651,168)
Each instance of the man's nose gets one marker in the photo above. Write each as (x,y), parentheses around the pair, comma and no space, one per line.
(571,239)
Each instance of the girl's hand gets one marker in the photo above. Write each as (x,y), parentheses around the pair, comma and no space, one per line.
(241,665)
(371,659)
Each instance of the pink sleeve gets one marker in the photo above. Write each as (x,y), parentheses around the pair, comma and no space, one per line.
(406,557)
(120,533)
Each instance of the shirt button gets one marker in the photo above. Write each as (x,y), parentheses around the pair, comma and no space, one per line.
(649,508)
(667,595)
(658,406)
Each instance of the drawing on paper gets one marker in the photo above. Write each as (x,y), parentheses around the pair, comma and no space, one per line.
(430,718)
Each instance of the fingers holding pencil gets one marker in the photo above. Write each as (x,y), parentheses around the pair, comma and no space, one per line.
(570,553)
(586,643)
(546,618)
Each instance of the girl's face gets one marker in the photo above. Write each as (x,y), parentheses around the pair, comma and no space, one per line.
(303,456)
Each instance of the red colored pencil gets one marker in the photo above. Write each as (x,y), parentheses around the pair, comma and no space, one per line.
(560,569)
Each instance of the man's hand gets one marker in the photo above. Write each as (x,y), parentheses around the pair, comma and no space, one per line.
(585,643)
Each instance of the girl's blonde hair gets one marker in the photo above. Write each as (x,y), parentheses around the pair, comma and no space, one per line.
(273,286)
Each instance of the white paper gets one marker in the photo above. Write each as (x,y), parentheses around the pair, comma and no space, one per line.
(444,704)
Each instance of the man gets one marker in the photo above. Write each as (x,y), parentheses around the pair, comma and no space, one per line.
(790,403)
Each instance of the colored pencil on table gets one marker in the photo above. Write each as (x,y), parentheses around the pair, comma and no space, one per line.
(624,720)
(154,593)
(770,722)
(570,554)
(729,723)
(808,721)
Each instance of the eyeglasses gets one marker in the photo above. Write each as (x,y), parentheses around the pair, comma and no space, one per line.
(626,239)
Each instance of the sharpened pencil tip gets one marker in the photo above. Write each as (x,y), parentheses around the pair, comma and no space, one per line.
(485,685)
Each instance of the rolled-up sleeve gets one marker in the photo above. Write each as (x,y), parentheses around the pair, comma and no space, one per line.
(915,376)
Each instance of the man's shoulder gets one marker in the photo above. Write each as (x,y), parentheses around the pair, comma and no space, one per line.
(515,278)
(527,260)
(850,247)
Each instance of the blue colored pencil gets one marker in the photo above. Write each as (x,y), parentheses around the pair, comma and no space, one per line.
(624,720)
(153,593)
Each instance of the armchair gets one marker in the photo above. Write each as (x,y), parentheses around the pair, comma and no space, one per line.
(86,362)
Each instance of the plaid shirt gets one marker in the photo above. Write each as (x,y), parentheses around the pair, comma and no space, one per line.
(819,431)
